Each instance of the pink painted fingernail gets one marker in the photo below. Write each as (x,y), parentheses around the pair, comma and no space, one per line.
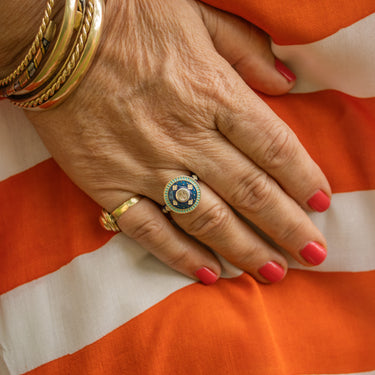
(272,271)
(284,71)
(206,276)
(314,253)
(319,201)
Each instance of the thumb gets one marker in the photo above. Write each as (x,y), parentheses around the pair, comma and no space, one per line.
(248,50)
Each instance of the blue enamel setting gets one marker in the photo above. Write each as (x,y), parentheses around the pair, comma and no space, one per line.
(182,194)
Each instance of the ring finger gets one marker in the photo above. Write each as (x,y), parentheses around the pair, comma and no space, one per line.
(215,224)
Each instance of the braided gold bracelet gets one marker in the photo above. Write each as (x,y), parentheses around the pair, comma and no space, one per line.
(33,49)
(77,64)
(73,12)
(16,86)
(27,82)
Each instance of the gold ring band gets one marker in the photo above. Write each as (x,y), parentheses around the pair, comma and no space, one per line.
(109,220)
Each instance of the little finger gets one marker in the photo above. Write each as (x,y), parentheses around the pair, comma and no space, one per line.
(145,223)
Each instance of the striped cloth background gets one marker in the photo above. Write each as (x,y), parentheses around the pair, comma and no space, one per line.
(76,300)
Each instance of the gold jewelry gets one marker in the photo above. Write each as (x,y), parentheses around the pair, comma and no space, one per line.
(72,12)
(109,220)
(16,86)
(77,64)
(33,49)
(182,194)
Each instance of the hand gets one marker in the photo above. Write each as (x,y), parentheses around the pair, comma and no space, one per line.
(165,97)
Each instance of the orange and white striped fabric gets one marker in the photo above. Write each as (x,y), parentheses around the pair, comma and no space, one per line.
(76,300)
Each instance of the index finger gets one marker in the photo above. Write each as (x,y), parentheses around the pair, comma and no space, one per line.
(251,126)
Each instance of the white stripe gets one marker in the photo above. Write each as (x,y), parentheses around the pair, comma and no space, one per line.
(350,373)
(348,226)
(20,145)
(343,61)
(62,312)
(78,304)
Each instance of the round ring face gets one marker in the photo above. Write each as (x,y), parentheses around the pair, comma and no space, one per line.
(182,194)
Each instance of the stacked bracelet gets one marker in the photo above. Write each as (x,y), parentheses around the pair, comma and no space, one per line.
(60,47)
(27,74)
(33,49)
(69,59)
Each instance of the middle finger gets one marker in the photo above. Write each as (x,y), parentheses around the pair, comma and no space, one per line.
(258,197)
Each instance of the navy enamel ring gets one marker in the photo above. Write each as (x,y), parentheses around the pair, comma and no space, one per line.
(182,194)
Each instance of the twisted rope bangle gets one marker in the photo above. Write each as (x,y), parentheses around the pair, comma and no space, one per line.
(33,49)
(27,83)
(76,65)
(16,86)
(73,12)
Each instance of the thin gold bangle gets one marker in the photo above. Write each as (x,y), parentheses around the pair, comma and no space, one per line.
(33,49)
(27,75)
(63,40)
(77,65)
(59,78)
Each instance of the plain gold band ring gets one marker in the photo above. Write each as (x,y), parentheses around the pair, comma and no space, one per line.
(109,220)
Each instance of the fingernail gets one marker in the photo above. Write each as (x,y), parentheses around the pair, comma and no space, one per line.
(284,71)
(319,201)
(206,276)
(314,253)
(272,271)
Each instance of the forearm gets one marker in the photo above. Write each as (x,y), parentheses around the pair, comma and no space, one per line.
(19,24)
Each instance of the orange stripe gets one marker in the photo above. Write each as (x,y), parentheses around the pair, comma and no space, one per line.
(298,21)
(340,139)
(48,221)
(309,323)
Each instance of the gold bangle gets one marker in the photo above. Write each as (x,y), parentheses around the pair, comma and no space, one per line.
(26,76)
(33,49)
(77,64)
(63,40)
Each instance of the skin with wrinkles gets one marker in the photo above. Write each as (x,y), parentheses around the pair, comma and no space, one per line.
(165,96)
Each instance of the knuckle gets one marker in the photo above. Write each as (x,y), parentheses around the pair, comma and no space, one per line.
(225,123)
(212,221)
(279,149)
(147,231)
(253,193)
(177,259)
(248,258)
(230,110)
(290,231)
